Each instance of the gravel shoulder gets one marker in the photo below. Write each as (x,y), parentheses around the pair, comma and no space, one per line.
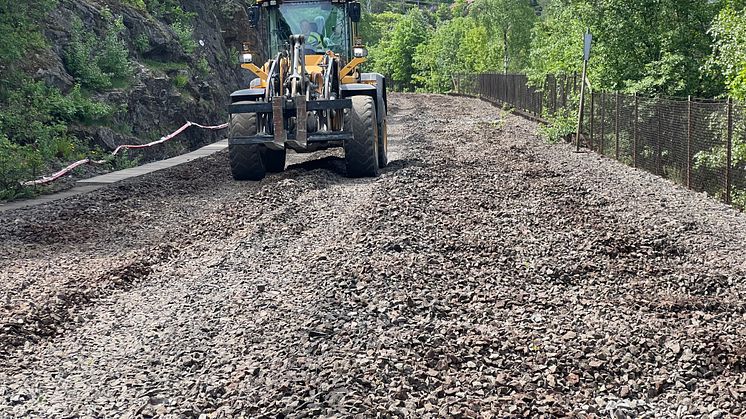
(484,274)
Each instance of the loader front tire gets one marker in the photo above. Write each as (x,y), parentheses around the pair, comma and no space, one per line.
(383,141)
(361,152)
(246,159)
(274,160)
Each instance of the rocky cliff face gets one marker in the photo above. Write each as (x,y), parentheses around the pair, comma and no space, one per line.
(169,83)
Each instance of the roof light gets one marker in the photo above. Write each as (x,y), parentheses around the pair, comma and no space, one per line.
(360,52)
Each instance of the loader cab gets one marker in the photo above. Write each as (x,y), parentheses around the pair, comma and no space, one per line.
(330,22)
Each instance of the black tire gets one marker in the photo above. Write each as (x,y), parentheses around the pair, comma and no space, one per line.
(246,159)
(383,141)
(361,153)
(274,160)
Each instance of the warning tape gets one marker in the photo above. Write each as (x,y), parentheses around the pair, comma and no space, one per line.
(68,169)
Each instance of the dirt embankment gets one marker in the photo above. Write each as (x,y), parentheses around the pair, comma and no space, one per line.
(483,274)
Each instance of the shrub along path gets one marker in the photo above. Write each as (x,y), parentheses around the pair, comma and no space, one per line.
(484,273)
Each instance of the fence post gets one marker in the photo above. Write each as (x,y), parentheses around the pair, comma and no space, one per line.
(729,154)
(593,97)
(509,81)
(575,82)
(658,151)
(616,127)
(603,122)
(554,95)
(634,134)
(541,99)
(565,83)
(689,142)
(582,106)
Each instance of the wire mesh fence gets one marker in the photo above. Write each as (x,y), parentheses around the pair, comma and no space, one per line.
(698,143)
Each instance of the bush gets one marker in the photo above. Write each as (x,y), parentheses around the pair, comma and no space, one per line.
(182,22)
(34,122)
(185,33)
(114,56)
(561,125)
(142,43)
(170,11)
(75,107)
(137,4)
(19,29)
(80,60)
(96,64)
(180,81)
(17,163)
(203,67)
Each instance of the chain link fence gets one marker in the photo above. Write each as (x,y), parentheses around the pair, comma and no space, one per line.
(698,143)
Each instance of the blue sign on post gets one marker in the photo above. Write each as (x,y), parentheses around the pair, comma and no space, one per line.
(588,38)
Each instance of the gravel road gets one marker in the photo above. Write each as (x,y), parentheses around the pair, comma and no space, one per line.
(483,274)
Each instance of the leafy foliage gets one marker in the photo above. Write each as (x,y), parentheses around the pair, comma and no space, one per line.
(18,26)
(457,46)
(96,63)
(508,22)
(185,33)
(555,48)
(649,46)
(142,43)
(34,117)
(729,57)
(181,21)
(396,49)
(34,121)
(657,47)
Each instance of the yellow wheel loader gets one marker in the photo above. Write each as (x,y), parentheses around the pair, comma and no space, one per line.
(310,95)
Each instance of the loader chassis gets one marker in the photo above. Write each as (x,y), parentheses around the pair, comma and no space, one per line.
(309,95)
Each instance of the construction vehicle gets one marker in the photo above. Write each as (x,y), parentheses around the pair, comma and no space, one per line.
(310,94)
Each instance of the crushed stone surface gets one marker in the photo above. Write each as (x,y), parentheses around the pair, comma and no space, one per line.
(483,274)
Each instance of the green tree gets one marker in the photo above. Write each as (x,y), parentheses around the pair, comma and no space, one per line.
(556,47)
(729,43)
(650,46)
(460,45)
(508,22)
(374,25)
(394,55)
(437,60)
(443,12)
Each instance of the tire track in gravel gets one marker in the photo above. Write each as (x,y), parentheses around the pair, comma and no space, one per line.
(232,220)
(484,274)
(65,255)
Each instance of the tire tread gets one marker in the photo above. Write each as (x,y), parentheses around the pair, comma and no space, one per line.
(361,153)
(246,159)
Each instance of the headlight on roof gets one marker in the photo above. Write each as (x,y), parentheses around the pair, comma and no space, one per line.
(360,52)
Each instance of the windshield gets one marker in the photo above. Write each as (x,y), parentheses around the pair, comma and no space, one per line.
(323,24)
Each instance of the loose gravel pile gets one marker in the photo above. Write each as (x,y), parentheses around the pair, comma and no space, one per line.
(484,274)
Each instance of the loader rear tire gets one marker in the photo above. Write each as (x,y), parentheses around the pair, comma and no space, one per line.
(361,152)
(246,159)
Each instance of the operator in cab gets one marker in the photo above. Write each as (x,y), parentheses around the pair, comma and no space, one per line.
(313,38)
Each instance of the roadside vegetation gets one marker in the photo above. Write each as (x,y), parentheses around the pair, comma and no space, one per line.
(651,47)
(666,48)
(36,118)
(672,48)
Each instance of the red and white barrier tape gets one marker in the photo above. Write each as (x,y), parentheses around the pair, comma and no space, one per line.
(70,168)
